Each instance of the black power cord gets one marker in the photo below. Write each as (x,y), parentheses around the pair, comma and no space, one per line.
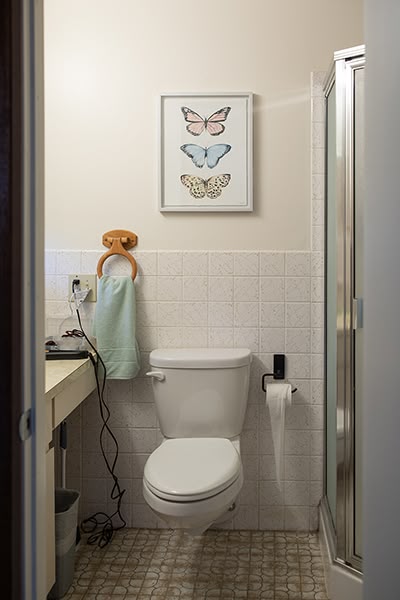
(101,525)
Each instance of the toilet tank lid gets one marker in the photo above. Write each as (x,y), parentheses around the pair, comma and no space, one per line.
(200,358)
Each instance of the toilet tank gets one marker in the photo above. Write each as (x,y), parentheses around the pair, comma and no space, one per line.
(204,390)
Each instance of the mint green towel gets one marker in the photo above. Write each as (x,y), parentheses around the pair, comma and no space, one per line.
(115,327)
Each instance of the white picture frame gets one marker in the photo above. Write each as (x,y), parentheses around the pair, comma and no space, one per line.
(206,152)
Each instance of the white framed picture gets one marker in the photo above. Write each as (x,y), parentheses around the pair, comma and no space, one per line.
(206,152)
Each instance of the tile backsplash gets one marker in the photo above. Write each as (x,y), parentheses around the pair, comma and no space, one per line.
(266,301)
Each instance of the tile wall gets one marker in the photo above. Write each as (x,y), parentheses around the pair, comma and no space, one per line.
(267,301)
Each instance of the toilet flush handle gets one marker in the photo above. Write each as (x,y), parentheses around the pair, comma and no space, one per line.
(156,374)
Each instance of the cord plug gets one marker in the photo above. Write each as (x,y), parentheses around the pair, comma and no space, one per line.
(80,296)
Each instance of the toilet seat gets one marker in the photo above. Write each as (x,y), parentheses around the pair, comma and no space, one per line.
(192,469)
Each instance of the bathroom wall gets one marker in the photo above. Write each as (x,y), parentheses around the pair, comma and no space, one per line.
(214,280)
(267,301)
(107,65)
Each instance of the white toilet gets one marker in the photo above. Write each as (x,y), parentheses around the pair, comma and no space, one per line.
(194,477)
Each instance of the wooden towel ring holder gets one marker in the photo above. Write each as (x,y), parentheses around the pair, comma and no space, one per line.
(119,241)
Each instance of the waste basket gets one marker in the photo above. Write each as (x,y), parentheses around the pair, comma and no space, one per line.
(66,506)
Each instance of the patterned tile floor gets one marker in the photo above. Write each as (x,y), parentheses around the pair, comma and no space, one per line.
(143,564)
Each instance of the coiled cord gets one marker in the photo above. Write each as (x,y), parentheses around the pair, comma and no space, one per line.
(101,525)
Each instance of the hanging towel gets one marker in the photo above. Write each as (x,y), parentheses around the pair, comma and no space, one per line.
(115,327)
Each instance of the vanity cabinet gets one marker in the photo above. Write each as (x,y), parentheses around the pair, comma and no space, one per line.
(68,383)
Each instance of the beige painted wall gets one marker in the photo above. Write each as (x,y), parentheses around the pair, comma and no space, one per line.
(106,64)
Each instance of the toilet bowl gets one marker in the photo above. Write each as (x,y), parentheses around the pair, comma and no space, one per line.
(192,482)
(194,477)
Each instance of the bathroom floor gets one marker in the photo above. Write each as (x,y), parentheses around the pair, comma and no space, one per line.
(158,563)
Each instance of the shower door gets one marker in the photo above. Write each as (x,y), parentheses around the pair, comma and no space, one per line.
(344,93)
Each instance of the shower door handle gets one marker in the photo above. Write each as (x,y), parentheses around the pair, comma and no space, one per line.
(357,313)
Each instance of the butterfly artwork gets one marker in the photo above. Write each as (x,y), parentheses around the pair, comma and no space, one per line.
(200,156)
(212,125)
(211,187)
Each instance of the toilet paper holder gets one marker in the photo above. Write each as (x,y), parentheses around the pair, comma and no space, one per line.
(279,371)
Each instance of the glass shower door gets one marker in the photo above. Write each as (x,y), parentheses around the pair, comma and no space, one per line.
(344,93)
(331,277)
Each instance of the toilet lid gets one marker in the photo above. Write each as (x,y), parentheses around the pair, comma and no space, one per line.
(188,469)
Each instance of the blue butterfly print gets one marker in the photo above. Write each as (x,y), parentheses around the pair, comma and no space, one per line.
(200,155)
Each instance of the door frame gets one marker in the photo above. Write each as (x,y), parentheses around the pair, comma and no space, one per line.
(22,452)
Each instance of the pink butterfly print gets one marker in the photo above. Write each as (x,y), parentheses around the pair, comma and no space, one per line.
(212,125)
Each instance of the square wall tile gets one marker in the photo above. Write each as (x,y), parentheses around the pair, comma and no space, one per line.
(220,264)
(169,314)
(146,314)
(297,442)
(220,337)
(195,289)
(298,341)
(246,289)
(272,264)
(246,337)
(297,264)
(195,263)
(298,314)
(195,314)
(246,264)
(146,288)
(297,468)
(270,494)
(298,289)
(220,289)
(220,314)
(272,314)
(297,417)
(267,470)
(272,340)
(246,518)
(297,518)
(272,289)
(246,314)
(170,263)
(298,366)
(169,289)
(146,261)
(271,518)
(297,493)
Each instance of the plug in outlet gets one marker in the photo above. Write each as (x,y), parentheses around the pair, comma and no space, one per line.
(86,281)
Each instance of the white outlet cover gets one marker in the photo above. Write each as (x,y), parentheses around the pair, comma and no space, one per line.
(86,281)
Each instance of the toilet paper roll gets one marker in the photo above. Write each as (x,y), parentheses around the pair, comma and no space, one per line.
(278,398)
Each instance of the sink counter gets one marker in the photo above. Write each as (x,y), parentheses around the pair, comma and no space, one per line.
(68,383)
(61,373)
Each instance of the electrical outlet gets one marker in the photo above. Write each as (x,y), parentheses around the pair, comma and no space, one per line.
(86,281)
